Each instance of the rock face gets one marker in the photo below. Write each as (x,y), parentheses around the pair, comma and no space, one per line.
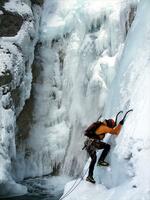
(19,24)
(10,23)
(39,2)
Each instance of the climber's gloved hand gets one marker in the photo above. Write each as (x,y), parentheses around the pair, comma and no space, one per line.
(122,122)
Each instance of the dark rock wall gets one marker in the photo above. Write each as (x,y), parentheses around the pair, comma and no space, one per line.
(2,2)
(39,2)
(10,23)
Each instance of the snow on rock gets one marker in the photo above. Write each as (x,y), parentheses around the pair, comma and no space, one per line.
(128,176)
(16,57)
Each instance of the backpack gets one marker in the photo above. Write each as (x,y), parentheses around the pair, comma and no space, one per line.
(90,131)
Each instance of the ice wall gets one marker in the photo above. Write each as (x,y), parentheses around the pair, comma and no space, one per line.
(78,55)
(128,175)
(81,43)
(17,42)
(130,90)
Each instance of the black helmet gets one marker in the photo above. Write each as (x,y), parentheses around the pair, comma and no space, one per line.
(110,123)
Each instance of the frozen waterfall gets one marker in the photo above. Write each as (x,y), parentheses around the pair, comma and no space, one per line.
(81,44)
(88,60)
(128,176)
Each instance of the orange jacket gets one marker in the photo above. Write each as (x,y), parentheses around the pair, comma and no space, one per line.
(103,129)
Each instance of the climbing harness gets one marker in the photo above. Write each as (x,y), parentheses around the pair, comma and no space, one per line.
(74,186)
(88,143)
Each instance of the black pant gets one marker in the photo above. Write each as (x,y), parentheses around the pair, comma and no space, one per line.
(92,153)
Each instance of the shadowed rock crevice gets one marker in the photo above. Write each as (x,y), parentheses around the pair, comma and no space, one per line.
(2,2)
(130,18)
(10,23)
(25,119)
(39,2)
(6,78)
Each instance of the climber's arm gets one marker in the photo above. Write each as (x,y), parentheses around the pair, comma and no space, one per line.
(105,129)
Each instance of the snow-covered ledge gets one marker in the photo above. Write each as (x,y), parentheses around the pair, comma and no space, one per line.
(16,58)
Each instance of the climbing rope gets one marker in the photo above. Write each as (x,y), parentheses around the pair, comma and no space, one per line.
(74,186)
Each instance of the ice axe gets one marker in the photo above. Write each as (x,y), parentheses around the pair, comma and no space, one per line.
(99,117)
(117,116)
(122,121)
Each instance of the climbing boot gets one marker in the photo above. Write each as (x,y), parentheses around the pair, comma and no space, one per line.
(103,163)
(90,179)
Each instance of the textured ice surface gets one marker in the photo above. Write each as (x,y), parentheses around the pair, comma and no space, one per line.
(128,175)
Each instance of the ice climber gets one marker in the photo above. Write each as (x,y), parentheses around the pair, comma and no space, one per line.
(96,133)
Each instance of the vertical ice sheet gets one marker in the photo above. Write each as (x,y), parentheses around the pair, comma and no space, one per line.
(129,156)
(128,175)
(49,132)
(82,42)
